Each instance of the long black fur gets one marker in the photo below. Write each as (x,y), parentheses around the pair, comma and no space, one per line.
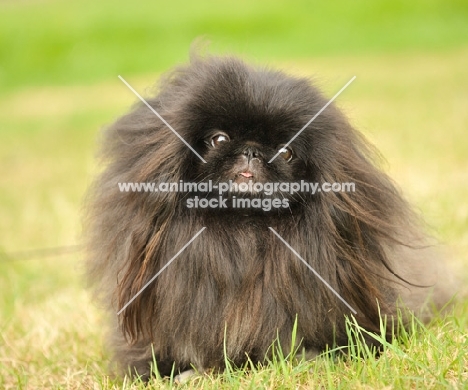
(237,282)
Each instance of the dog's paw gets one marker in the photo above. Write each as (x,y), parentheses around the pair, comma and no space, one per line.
(184,377)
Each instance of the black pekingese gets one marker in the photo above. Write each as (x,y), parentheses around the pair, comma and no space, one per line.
(238,286)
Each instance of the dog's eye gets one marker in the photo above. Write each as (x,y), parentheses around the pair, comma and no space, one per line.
(286,153)
(218,139)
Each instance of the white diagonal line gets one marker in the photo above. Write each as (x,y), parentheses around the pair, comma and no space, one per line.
(162,119)
(313,118)
(314,271)
(161,270)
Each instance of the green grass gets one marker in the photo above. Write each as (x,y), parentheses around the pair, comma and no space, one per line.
(56,42)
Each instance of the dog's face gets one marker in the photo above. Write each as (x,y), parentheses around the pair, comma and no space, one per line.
(241,120)
(243,155)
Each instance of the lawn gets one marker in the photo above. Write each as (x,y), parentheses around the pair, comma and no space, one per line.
(58,77)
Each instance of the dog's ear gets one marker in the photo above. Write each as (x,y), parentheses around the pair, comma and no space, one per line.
(125,213)
(364,221)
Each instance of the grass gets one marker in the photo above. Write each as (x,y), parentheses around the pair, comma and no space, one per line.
(58,86)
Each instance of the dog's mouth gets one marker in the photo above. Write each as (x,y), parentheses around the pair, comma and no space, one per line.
(244,177)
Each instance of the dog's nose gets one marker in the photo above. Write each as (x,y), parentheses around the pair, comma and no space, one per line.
(251,152)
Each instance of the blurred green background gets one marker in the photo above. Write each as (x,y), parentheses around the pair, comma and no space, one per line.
(64,43)
(59,62)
